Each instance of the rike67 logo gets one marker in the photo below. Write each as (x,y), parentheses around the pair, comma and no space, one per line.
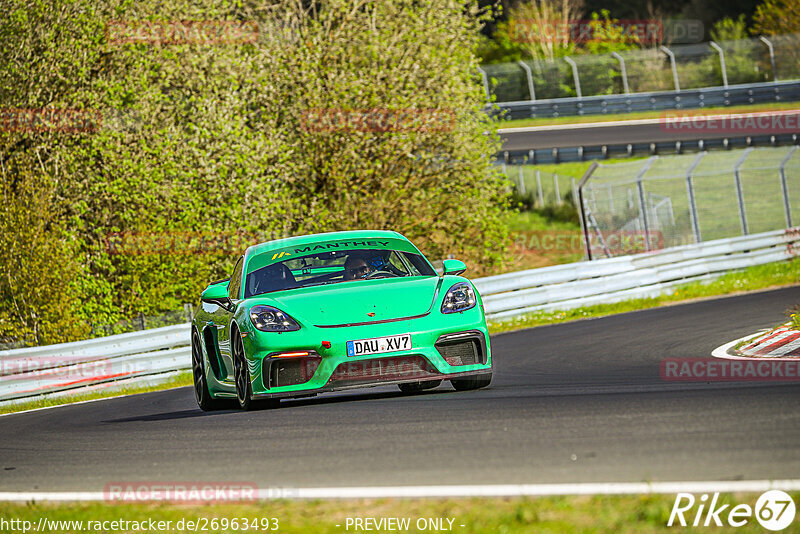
(774,510)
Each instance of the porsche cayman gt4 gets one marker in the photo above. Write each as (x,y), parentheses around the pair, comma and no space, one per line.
(326,312)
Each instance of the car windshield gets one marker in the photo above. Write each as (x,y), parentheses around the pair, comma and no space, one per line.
(333,267)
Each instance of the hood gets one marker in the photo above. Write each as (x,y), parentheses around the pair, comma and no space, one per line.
(351,302)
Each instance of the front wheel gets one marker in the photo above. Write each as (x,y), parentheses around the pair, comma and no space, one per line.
(472,382)
(241,373)
(244,386)
(201,394)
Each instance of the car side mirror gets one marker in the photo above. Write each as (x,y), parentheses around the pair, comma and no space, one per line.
(453,267)
(217,294)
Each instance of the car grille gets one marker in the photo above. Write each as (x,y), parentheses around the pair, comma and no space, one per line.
(466,352)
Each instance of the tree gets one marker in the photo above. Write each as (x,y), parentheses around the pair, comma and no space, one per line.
(207,139)
(777,17)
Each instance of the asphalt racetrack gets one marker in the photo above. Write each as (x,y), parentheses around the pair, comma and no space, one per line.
(632,132)
(578,402)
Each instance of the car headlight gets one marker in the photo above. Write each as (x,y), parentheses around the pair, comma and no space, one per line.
(269,319)
(459,298)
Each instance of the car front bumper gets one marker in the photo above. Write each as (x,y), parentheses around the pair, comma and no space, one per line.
(442,347)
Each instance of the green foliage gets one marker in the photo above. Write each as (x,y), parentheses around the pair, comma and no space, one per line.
(37,290)
(608,35)
(793,314)
(777,17)
(729,29)
(203,139)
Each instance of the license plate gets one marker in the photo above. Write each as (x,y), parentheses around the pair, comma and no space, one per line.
(379,345)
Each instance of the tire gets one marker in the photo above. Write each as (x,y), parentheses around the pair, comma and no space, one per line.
(241,374)
(202,395)
(416,387)
(472,382)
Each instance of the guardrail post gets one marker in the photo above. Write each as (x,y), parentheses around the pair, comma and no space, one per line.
(623,71)
(721,53)
(692,203)
(485,79)
(771,56)
(643,201)
(786,206)
(582,208)
(529,74)
(739,196)
(575,75)
(674,67)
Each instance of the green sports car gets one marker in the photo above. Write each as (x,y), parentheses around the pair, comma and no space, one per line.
(306,315)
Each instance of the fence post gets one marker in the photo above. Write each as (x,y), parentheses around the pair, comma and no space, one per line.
(643,201)
(624,72)
(771,56)
(786,206)
(522,178)
(674,67)
(721,53)
(555,185)
(575,75)
(539,188)
(739,196)
(692,202)
(582,208)
(574,191)
(529,74)
(485,84)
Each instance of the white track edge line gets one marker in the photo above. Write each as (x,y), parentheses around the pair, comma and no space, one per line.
(499,490)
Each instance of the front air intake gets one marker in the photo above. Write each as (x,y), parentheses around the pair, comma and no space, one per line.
(290,371)
(466,352)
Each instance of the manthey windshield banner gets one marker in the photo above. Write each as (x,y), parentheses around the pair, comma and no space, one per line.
(273,255)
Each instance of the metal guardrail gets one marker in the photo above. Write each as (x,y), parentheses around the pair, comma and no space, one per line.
(144,356)
(612,280)
(130,357)
(690,144)
(734,95)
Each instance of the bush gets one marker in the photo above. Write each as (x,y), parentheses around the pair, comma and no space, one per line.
(199,140)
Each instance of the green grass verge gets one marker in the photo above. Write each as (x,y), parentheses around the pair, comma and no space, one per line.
(582,119)
(754,278)
(620,514)
(183,379)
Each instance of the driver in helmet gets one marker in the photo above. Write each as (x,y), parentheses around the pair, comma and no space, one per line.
(355,268)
